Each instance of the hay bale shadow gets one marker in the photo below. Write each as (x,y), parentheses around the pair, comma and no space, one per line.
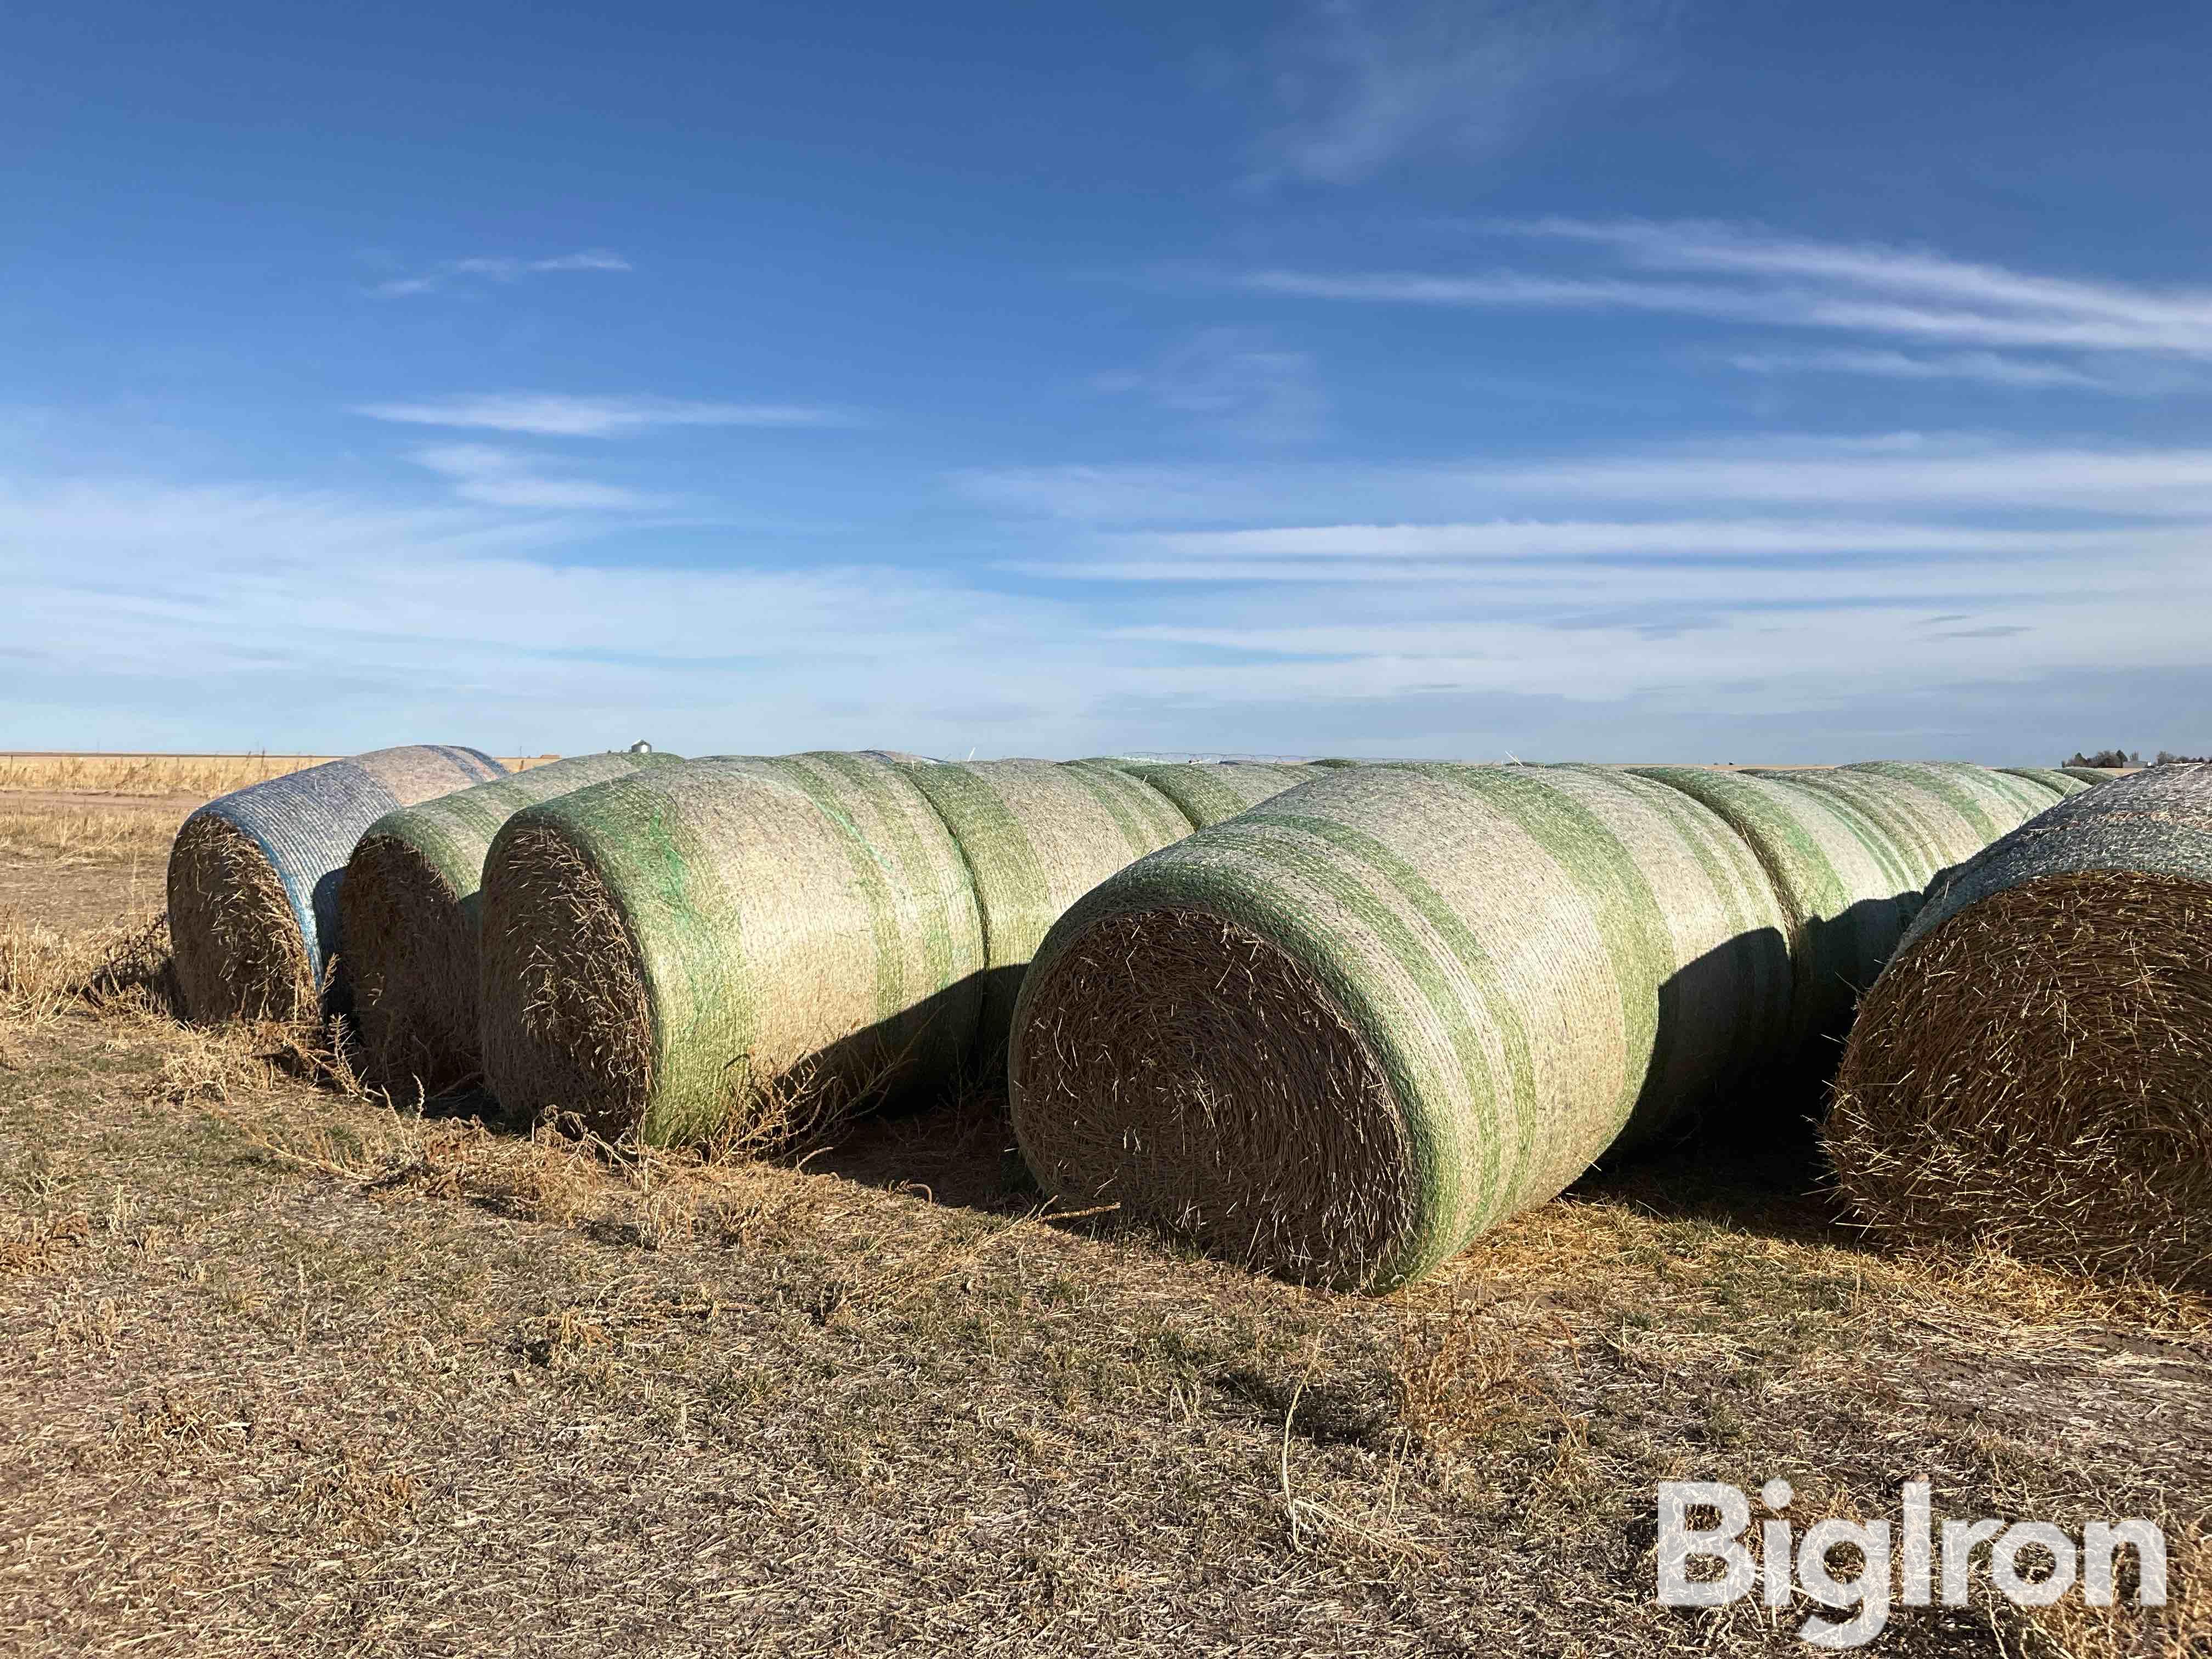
(1781,1190)
(955,1150)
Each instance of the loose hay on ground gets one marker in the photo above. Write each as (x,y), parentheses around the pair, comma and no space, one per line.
(46,972)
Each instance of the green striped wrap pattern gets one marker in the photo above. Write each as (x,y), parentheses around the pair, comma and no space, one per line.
(1488,976)
(804,920)
(1994,802)
(1847,889)
(2051,777)
(452,834)
(1036,836)
(1927,822)
(1207,792)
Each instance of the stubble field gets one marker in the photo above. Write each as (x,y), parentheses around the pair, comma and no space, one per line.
(282,1365)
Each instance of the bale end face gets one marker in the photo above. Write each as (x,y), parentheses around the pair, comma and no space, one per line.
(566,1024)
(411,962)
(1244,1111)
(2036,1073)
(239,950)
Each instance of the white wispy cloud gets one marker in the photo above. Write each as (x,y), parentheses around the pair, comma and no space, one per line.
(1239,381)
(507,269)
(1362,82)
(1981,367)
(247,613)
(1789,282)
(505,477)
(1895,600)
(1935,474)
(497,269)
(1705,245)
(1636,593)
(1823,568)
(409,586)
(1660,541)
(553,415)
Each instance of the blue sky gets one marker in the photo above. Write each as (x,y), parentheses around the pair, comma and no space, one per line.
(1620,379)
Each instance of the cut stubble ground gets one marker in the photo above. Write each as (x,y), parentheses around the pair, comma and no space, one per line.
(285,1366)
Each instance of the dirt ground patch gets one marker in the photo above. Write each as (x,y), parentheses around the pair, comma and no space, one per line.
(282,1367)
(74,860)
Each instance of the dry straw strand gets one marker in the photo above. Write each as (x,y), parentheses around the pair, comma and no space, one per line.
(409,906)
(2033,1069)
(1339,1036)
(709,951)
(254,876)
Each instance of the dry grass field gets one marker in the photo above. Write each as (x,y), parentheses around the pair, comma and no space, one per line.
(285,1367)
(200,775)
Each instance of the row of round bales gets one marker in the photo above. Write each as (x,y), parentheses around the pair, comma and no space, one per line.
(1341,1036)
(357,887)
(1362,1015)
(685,954)
(1565,961)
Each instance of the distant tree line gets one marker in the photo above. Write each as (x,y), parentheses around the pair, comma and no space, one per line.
(2117,757)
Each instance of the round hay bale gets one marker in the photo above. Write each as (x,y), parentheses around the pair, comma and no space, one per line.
(1208,792)
(1843,886)
(1992,801)
(1923,827)
(254,877)
(2051,777)
(409,905)
(2033,1070)
(1340,1034)
(1037,835)
(732,949)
